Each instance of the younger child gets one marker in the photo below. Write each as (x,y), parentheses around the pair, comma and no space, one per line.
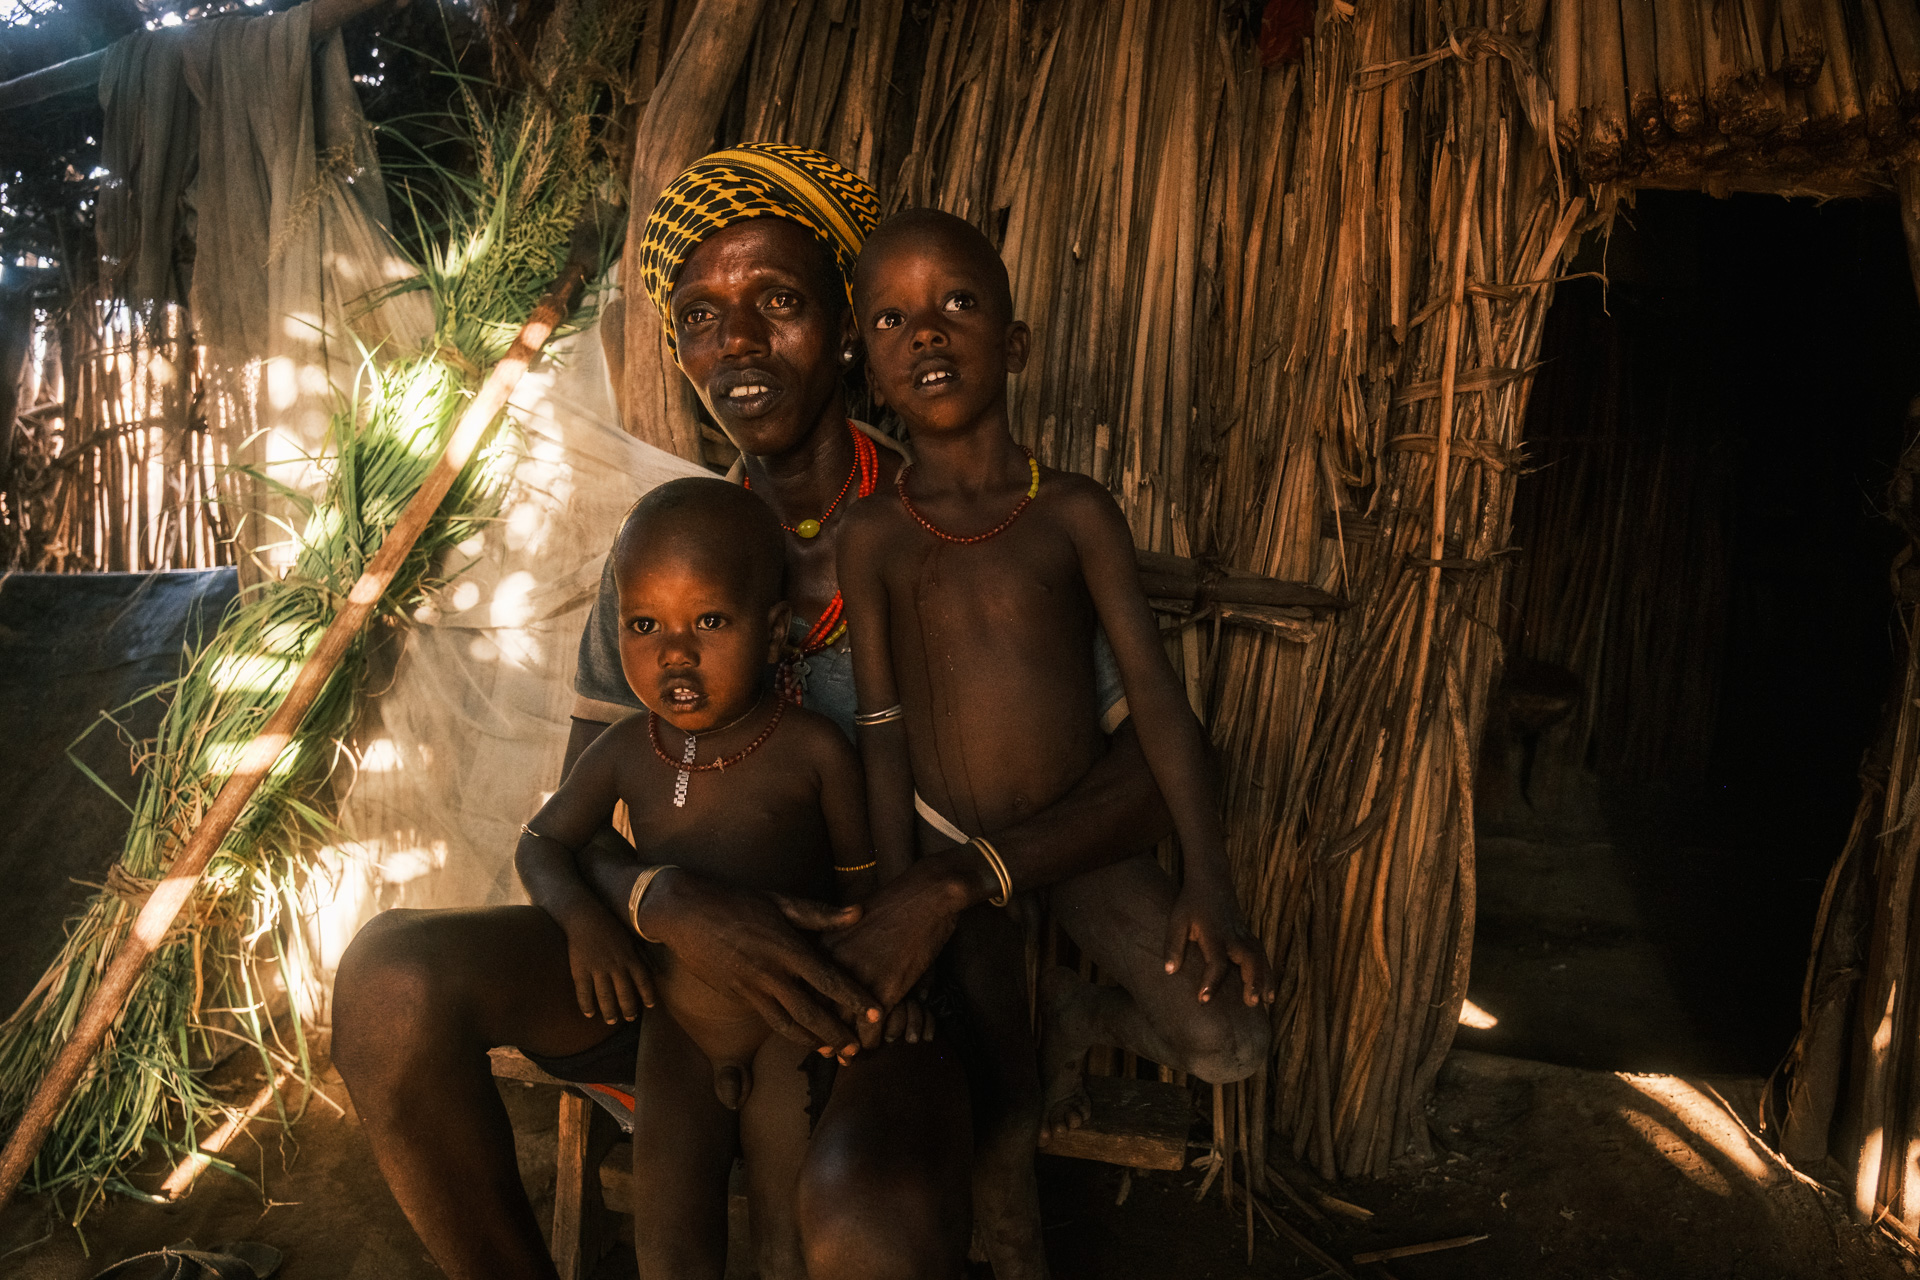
(972,592)
(722,776)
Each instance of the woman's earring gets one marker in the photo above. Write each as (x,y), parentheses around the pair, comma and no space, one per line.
(847,354)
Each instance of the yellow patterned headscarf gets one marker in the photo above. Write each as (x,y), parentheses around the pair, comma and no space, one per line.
(756,180)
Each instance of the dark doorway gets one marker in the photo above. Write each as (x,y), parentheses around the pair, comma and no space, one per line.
(1698,545)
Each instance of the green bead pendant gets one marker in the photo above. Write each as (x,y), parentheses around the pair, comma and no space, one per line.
(808,528)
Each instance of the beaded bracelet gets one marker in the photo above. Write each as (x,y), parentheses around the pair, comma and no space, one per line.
(641,884)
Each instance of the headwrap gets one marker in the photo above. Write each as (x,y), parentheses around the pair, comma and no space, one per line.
(756,180)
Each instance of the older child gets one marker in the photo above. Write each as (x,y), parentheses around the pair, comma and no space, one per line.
(721,775)
(972,591)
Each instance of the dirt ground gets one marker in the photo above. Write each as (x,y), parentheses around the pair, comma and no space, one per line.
(1567,1172)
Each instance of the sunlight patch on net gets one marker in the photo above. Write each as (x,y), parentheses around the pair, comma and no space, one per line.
(380,756)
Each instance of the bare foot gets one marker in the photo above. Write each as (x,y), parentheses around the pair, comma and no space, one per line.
(1066,1033)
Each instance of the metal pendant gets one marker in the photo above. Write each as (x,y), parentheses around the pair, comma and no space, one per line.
(686,776)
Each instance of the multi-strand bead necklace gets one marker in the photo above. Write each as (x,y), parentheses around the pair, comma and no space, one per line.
(831,624)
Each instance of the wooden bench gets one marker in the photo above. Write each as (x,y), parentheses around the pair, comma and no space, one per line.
(1142,1124)
(582,1227)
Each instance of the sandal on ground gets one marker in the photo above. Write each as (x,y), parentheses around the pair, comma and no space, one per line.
(242,1260)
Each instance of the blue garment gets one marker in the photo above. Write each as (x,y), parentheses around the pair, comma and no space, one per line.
(827,684)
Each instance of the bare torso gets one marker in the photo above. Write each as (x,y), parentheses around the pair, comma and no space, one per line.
(756,825)
(992,648)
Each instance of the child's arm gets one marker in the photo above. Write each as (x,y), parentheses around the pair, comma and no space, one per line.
(843,800)
(609,978)
(883,747)
(1206,911)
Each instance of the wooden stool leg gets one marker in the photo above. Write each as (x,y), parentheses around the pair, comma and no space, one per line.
(582,1227)
(570,1185)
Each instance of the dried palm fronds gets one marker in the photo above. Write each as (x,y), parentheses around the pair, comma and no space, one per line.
(503,231)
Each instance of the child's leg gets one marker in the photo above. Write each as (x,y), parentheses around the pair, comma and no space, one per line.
(884,1190)
(683,1145)
(773,1141)
(988,954)
(1118,916)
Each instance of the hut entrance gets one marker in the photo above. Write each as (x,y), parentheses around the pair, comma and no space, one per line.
(1698,630)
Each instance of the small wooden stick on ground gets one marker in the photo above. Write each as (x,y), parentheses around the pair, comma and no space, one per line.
(1412,1250)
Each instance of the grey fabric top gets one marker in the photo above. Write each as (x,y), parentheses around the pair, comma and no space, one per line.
(827,682)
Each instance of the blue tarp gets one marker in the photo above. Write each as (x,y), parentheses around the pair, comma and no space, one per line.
(71,647)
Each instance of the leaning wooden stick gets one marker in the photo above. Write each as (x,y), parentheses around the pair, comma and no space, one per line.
(170,896)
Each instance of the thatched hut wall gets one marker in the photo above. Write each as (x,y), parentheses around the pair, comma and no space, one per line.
(1273,300)
(1271,304)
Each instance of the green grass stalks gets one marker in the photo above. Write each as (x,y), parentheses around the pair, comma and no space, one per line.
(503,235)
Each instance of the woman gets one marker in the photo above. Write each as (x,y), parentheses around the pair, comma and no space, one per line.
(748,256)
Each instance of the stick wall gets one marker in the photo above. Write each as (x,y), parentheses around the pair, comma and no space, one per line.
(1271,305)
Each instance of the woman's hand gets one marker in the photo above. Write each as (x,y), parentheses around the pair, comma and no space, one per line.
(749,945)
(742,943)
(901,930)
(610,978)
(1206,912)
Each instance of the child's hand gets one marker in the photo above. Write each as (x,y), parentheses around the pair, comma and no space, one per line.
(610,980)
(909,1021)
(1207,913)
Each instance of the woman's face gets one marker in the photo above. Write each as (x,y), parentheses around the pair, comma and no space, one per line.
(760,334)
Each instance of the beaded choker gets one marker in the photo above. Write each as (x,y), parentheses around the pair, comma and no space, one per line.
(687,768)
(900,487)
(866,469)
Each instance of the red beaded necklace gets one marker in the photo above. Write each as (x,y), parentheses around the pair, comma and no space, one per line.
(686,768)
(900,487)
(831,624)
(866,469)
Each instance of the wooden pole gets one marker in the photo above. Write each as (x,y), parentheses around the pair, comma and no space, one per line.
(677,128)
(83,72)
(170,896)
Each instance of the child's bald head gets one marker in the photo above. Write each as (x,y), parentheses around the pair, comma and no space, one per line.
(935,231)
(719,528)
